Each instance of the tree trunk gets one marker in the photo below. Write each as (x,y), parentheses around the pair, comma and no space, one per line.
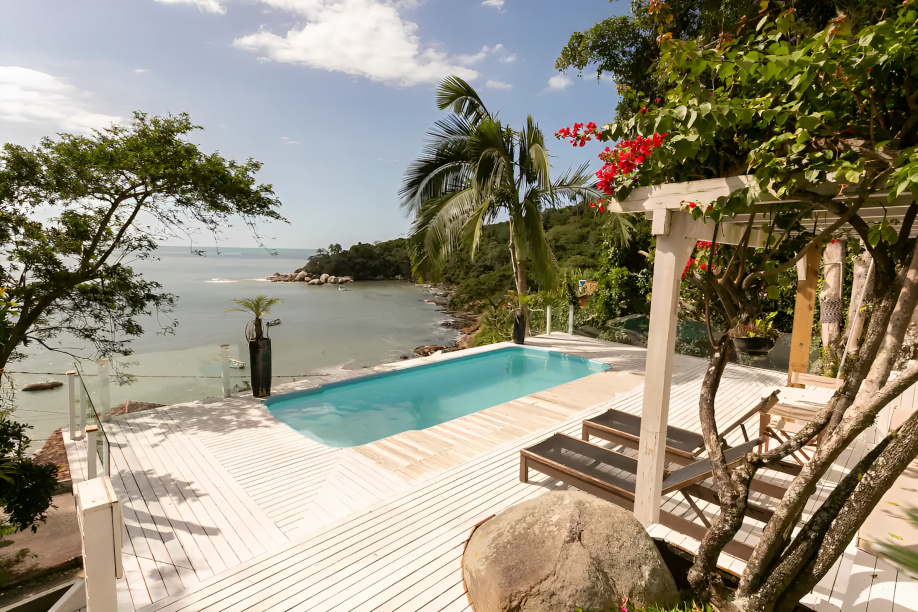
(861,296)
(830,305)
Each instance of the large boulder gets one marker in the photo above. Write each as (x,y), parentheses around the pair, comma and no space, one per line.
(345,279)
(324,278)
(561,551)
(315,281)
(301,277)
(332,280)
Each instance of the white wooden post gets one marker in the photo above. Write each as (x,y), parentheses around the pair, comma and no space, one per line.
(225,369)
(84,404)
(105,402)
(673,250)
(99,518)
(71,402)
(91,431)
(570,319)
(548,319)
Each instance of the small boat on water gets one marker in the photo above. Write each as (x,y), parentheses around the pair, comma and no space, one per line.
(236,364)
(273,323)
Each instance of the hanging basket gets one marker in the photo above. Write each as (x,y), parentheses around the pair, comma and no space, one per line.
(754,347)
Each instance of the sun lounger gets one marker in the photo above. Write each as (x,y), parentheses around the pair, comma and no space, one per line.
(682,445)
(605,474)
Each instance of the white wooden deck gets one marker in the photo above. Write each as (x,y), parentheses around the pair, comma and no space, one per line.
(226,509)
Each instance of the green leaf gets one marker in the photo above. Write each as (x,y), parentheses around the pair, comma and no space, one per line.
(874,236)
(679,112)
(889,234)
(892,535)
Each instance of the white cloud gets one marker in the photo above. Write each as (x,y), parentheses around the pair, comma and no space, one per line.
(365,38)
(509,59)
(211,6)
(29,96)
(498,85)
(141,70)
(498,4)
(559,82)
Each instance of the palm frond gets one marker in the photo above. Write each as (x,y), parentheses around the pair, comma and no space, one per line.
(458,96)
(437,230)
(258,306)
(544,265)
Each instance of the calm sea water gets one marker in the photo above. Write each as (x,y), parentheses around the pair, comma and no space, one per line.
(323,328)
(364,410)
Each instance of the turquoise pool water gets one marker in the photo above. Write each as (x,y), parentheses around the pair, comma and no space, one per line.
(359,411)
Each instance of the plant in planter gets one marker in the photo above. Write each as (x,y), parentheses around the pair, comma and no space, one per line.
(757,337)
(259,344)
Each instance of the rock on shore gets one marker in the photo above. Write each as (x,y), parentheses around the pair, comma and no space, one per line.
(302,277)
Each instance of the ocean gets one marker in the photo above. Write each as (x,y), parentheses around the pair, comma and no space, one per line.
(323,329)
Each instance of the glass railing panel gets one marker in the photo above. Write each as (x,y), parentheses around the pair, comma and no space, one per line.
(89,415)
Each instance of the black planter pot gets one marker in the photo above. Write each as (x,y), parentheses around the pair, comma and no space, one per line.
(519,328)
(260,358)
(756,347)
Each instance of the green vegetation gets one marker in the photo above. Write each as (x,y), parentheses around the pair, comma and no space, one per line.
(26,488)
(75,211)
(473,169)
(257,307)
(797,106)
(381,260)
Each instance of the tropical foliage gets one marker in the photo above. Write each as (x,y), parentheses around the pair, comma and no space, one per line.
(258,308)
(473,169)
(826,122)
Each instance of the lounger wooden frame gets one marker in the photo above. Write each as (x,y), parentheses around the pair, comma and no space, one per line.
(682,445)
(686,480)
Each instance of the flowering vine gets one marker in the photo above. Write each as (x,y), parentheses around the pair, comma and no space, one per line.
(619,161)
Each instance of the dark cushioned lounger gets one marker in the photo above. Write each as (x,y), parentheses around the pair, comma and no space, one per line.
(605,474)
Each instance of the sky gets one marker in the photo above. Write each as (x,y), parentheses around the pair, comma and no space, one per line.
(333,96)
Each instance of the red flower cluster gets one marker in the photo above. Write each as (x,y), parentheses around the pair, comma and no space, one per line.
(625,158)
(688,265)
(602,207)
(702,244)
(578,138)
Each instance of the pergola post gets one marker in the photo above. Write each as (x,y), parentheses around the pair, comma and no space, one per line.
(675,242)
(804,309)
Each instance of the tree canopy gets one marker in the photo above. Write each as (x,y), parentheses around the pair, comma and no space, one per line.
(826,123)
(77,211)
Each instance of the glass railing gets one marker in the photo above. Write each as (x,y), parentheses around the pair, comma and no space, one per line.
(89,415)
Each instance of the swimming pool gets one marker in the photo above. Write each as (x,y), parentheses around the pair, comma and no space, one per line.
(362,410)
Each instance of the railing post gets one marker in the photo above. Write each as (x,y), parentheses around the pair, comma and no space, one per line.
(224,357)
(84,404)
(91,431)
(105,402)
(570,319)
(71,402)
(548,319)
(99,518)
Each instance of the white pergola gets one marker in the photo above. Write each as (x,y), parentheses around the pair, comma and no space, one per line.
(676,233)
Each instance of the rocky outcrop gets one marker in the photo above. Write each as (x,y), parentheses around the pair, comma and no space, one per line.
(561,551)
(303,277)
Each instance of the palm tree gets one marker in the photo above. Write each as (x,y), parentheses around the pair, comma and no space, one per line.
(474,169)
(259,307)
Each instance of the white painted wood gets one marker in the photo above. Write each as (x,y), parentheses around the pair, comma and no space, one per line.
(99,521)
(225,370)
(73,600)
(672,252)
(548,319)
(570,319)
